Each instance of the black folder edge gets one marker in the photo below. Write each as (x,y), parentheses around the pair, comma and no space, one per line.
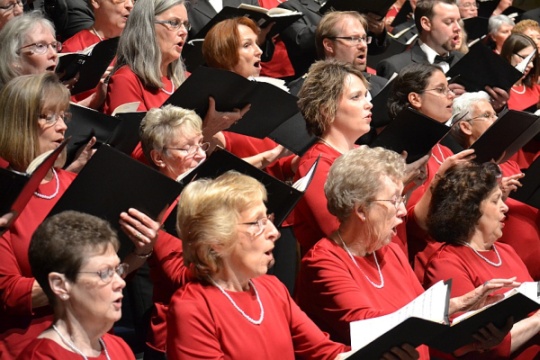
(414,331)
(32,183)
(293,135)
(380,115)
(379,7)
(498,71)
(402,14)
(476,27)
(221,161)
(529,192)
(89,67)
(112,182)
(270,105)
(393,136)
(517,306)
(504,138)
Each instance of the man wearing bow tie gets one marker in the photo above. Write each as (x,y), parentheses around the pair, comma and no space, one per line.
(438,28)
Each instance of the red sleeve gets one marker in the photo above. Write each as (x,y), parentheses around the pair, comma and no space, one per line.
(123,87)
(168,257)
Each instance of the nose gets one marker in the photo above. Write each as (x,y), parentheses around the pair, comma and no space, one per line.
(61,125)
(118,282)
(401,210)
(258,51)
(18,9)
(369,105)
(273,232)
(129,4)
(504,207)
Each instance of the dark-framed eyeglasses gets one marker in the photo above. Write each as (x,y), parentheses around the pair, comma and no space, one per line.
(10,6)
(41,47)
(353,40)
(106,275)
(174,24)
(396,202)
(260,224)
(51,119)
(192,149)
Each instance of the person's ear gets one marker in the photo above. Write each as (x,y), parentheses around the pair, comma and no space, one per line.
(95,4)
(425,23)
(328,46)
(157,158)
(465,127)
(415,100)
(360,213)
(59,285)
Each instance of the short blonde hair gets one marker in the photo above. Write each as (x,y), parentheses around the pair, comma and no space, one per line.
(355,178)
(160,125)
(22,101)
(208,212)
(321,92)
(525,25)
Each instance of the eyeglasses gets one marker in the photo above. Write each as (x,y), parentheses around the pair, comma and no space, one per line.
(353,40)
(261,223)
(192,149)
(41,48)
(174,24)
(118,2)
(11,5)
(441,90)
(523,57)
(474,5)
(107,274)
(397,201)
(486,116)
(51,119)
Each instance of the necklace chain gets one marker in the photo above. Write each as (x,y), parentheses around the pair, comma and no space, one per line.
(250,319)
(330,145)
(519,92)
(440,153)
(168,92)
(75,349)
(96,33)
(378,286)
(53,195)
(497,264)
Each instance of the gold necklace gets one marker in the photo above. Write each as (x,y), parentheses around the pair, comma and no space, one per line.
(330,145)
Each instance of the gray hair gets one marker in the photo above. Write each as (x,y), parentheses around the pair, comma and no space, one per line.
(464,105)
(495,23)
(138,47)
(12,38)
(355,178)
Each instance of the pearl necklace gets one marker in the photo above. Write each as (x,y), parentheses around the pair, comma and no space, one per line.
(97,34)
(497,264)
(168,92)
(53,195)
(378,286)
(75,349)
(250,319)
(519,92)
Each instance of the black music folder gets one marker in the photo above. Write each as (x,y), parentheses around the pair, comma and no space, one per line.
(380,115)
(293,135)
(506,136)
(17,188)
(112,182)
(379,7)
(270,105)
(90,64)
(481,67)
(120,131)
(529,192)
(411,131)
(476,27)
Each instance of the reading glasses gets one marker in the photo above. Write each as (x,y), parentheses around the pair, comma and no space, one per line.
(467,5)
(41,47)
(107,274)
(260,223)
(174,24)
(51,119)
(192,149)
(441,90)
(396,202)
(486,116)
(353,40)
(10,6)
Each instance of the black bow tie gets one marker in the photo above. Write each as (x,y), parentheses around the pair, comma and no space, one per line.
(447,59)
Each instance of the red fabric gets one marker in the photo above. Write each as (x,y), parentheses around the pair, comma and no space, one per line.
(125,86)
(46,349)
(525,156)
(280,66)
(203,324)
(20,323)
(520,102)
(310,218)
(245,146)
(333,291)
(468,271)
(168,274)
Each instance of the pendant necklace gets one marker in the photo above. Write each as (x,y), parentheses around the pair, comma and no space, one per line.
(53,195)
(250,319)
(75,349)
(497,264)
(378,286)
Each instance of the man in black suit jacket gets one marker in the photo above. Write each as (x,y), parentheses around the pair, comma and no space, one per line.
(438,27)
